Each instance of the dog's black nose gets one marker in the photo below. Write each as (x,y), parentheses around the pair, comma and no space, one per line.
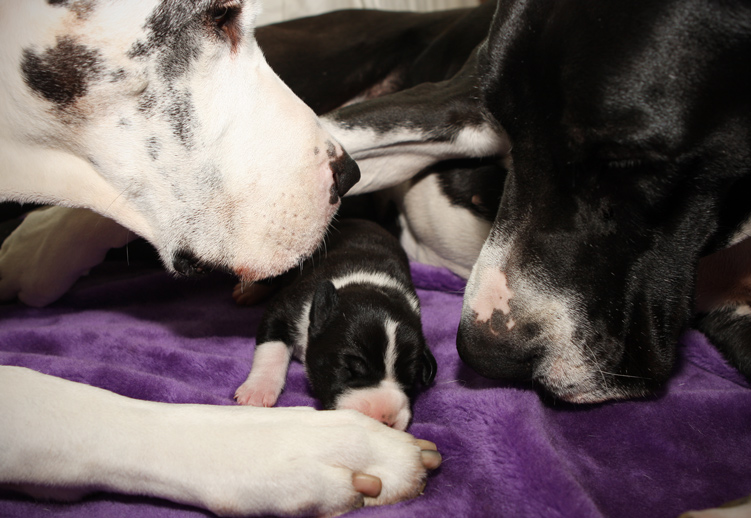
(346,174)
(186,263)
(496,355)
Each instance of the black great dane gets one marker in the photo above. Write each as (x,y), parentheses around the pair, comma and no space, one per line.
(631,135)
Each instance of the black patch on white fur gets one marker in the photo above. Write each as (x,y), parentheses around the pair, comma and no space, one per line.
(81,8)
(174,34)
(153,147)
(147,102)
(118,75)
(61,74)
(180,114)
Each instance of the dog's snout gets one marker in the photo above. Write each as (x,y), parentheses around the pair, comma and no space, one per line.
(346,174)
(505,355)
(186,263)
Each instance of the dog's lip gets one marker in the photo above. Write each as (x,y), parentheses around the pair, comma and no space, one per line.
(187,264)
(583,393)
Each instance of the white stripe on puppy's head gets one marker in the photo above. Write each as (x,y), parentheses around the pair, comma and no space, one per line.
(165,116)
(386,402)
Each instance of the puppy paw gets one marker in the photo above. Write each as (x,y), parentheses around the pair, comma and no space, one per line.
(267,376)
(252,395)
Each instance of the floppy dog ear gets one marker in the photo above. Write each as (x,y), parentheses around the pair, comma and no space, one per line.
(323,308)
(429,367)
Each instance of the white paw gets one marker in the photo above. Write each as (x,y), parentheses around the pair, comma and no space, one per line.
(51,249)
(250,393)
(267,375)
(306,460)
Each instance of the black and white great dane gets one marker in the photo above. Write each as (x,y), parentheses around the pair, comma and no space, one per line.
(165,117)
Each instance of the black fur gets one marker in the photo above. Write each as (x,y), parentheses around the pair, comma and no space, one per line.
(346,334)
(630,126)
(731,333)
(62,73)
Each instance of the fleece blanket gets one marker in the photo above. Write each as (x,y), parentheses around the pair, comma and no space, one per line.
(507,452)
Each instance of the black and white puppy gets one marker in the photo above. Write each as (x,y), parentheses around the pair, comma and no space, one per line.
(353,318)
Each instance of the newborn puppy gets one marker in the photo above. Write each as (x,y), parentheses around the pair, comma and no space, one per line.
(353,318)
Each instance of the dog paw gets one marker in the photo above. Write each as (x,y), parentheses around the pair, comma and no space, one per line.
(325,462)
(740,508)
(51,249)
(267,375)
(252,395)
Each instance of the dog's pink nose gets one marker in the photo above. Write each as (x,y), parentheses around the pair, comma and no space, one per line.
(346,174)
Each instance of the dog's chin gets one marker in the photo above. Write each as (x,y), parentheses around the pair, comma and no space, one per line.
(251,264)
(598,388)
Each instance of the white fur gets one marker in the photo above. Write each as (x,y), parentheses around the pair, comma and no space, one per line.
(377,279)
(436,232)
(53,247)
(301,330)
(249,193)
(498,284)
(267,377)
(226,459)
(389,158)
(389,359)
(385,402)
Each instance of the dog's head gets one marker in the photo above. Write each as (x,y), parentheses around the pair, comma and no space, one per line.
(631,158)
(366,352)
(165,116)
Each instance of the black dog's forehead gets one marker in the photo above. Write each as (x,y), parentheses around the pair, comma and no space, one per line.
(627,83)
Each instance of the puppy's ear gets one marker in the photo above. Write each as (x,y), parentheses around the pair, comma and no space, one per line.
(429,367)
(323,307)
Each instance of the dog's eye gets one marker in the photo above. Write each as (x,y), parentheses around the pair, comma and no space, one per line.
(356,367)
(224,17)
(220,15)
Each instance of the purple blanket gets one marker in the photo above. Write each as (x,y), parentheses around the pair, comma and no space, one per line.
(138,332)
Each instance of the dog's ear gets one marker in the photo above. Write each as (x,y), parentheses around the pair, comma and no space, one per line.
(429,367)
(323,308)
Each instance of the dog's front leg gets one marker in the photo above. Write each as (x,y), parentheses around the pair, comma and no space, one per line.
(66,436)
(396,136)
(51,249)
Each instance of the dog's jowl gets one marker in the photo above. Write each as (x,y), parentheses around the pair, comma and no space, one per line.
(630,127)
(354,319)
